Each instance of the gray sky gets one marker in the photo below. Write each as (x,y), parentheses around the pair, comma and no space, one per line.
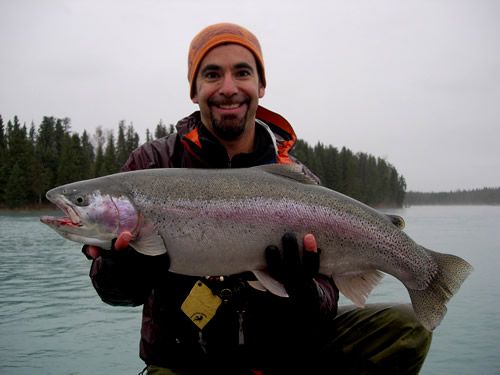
(416,82)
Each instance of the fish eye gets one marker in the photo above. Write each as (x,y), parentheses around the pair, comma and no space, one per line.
(80,200)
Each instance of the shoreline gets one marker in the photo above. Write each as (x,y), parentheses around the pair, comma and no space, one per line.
(30,208)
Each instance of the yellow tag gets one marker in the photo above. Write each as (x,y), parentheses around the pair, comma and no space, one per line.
(201,304)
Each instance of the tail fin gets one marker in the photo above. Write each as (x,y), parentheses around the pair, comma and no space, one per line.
(430,304)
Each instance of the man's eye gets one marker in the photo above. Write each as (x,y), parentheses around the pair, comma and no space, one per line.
(211,75)
(244,73)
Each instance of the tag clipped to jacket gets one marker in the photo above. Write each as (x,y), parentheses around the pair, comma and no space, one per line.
(201,304)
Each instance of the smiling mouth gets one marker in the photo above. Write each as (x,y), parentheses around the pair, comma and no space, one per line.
(229,106)
(229,109)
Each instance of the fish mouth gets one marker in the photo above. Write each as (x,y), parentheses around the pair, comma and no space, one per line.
(70,217)
(59,221)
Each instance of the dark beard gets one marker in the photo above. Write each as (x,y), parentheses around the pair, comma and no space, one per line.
(229,128)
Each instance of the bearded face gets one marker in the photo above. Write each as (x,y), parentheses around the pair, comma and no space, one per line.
(228,91)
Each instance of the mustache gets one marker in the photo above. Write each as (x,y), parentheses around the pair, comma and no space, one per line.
(238,99)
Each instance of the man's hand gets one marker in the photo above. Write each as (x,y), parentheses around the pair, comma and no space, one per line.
(122,276)
(296,272)
(121,243)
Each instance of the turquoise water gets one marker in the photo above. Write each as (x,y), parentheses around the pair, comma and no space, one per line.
(52,321)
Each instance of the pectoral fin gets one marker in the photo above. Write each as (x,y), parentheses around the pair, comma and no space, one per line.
(148,241)
(270,283)
(151,244)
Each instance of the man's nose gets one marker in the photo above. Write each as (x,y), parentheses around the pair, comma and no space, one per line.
(228,86)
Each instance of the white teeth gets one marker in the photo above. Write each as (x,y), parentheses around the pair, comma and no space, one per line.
(229,106)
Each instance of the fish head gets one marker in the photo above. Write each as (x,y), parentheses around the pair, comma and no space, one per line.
(93,215)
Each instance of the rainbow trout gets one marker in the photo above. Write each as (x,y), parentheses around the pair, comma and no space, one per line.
(218,222)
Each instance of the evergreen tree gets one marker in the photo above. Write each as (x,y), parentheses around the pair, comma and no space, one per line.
(301,151)
(382,182)
(361,176)
(18,188)
(46,150)
(371,180)
(16,195)
(71,165)
(40,180)
(332,168)
(99,157)
(161,130)
(110,164)
(132,141)
(392,195)
(349,174)
(32,134)
(401,191)
(4,165)
(317,161)
(128,141)
(87,157)
(31,164)
(122,151)
(61,130)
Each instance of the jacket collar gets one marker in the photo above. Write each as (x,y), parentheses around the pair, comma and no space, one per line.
(274,139)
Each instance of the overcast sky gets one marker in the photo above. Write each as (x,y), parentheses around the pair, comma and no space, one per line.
(416,82)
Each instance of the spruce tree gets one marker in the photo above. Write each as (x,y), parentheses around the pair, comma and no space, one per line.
(131,141)
(121,145)
(71,165)
(99,155)
(16,194)
(4,165)
(161,130)
(110,164)
(46,150)
(18,188)
(88,156)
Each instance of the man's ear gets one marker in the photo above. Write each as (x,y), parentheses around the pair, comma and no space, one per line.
(262,90)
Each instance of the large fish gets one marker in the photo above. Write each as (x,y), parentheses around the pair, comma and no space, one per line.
(218,222)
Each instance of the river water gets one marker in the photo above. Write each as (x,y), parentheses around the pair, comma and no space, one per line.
(52,321)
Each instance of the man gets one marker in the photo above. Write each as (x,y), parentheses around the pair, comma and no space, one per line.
(251,330)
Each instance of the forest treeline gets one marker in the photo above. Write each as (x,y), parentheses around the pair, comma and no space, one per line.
(364,177)
(490,196)
(33,159)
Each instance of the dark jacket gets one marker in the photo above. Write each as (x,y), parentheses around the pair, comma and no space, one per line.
(253,326)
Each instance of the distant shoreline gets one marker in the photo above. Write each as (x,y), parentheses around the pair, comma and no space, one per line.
(485,196)
(409,205)
(30,208)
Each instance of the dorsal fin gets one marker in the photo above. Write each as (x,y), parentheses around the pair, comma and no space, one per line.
(397,220)
(292,171)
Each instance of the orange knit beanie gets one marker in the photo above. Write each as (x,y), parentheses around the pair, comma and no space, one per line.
(215,35)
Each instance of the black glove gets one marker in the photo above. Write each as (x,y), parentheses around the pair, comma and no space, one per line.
(129,256)
(295,272)
(125,277)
